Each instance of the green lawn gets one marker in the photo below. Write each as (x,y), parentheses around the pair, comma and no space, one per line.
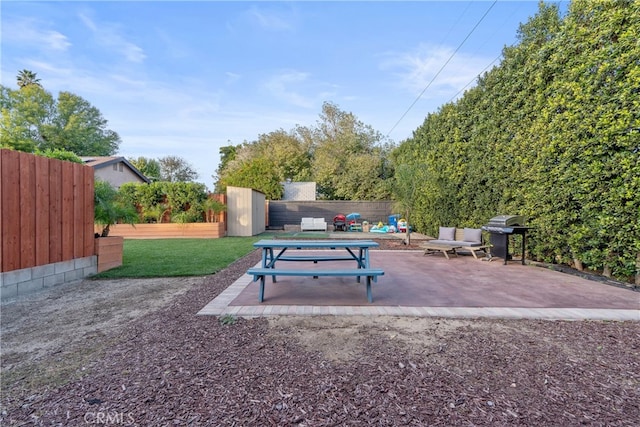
(179,257)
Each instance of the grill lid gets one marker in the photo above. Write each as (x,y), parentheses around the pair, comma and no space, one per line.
(506,221)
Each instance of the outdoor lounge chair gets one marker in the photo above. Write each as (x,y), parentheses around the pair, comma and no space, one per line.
(451,239)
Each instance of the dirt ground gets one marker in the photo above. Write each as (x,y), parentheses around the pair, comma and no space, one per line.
(134,352)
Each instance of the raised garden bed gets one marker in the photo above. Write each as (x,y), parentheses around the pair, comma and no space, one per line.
(169,230)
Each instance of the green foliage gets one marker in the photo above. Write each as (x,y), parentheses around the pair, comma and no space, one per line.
(148,167)
(552,134)
(60,155)
(24,112)
(176,169)
(257,173)
(32,120)
(26,78)
(180,196)
(109,209)
(347,159)
(212,209)
(228,319)
(408,182)
(194,214)
(156,213)
(181,201)
(227,154)
(265,164)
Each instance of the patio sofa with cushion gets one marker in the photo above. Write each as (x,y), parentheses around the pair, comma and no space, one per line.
(452,239)
(313,224)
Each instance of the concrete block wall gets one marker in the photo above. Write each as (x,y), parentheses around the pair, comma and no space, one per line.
(27,280)
(283,212)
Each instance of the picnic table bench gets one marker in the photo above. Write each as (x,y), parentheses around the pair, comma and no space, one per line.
(261,273)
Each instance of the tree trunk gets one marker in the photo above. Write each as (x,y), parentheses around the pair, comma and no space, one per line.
(578,264)
(408,230)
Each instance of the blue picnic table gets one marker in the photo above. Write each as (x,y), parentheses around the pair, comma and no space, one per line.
(325,250)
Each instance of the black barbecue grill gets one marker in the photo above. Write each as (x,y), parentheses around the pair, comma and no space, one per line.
(500,228)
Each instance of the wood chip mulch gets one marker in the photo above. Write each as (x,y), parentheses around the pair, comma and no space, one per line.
(173,368)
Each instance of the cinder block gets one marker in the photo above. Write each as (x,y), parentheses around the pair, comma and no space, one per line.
(30,286)
(42,271)
(9,291)
(64,266)
(56,279)
(72,276)
(90,271)
(16,276)
(81,263)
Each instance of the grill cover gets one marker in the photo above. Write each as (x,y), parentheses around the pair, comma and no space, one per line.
(506,221)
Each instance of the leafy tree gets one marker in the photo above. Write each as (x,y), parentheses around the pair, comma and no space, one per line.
(227,154)
(257,173)
(349,157)
(148,167)
(27,78)
(176,169)
(24,113)
(31,120)
(79,127)
(266,163)
(348,160)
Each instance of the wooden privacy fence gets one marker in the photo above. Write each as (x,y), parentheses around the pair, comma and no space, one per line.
(46,210)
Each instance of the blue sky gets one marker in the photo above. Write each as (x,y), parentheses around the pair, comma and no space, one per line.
(186,78)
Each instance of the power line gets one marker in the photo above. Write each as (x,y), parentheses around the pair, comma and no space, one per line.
(442,68)
(474,79)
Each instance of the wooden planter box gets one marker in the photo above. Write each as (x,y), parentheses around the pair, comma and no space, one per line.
(197,230)
(109,252)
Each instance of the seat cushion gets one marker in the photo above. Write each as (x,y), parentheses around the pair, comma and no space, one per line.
(472,235)
(447,233)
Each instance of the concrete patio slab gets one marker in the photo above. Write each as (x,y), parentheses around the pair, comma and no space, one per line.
(432,286)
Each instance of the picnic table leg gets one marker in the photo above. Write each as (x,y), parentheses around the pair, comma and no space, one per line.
(261,291)
(363,261)
(268,260)
(369,293)
(272,263)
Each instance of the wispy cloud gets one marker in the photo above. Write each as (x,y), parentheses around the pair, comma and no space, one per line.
(416,69)
(109,35)
(32,33)
(270,19)
(173,46)
(280,86)
(232,77)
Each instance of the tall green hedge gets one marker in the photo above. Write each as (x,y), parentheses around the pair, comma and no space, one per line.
(552,133)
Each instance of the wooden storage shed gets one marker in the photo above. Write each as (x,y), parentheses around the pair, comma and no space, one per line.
(245,212)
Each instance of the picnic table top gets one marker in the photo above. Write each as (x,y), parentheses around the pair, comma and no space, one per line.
(315,244)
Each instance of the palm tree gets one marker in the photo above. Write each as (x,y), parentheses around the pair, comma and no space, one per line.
(26,78)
